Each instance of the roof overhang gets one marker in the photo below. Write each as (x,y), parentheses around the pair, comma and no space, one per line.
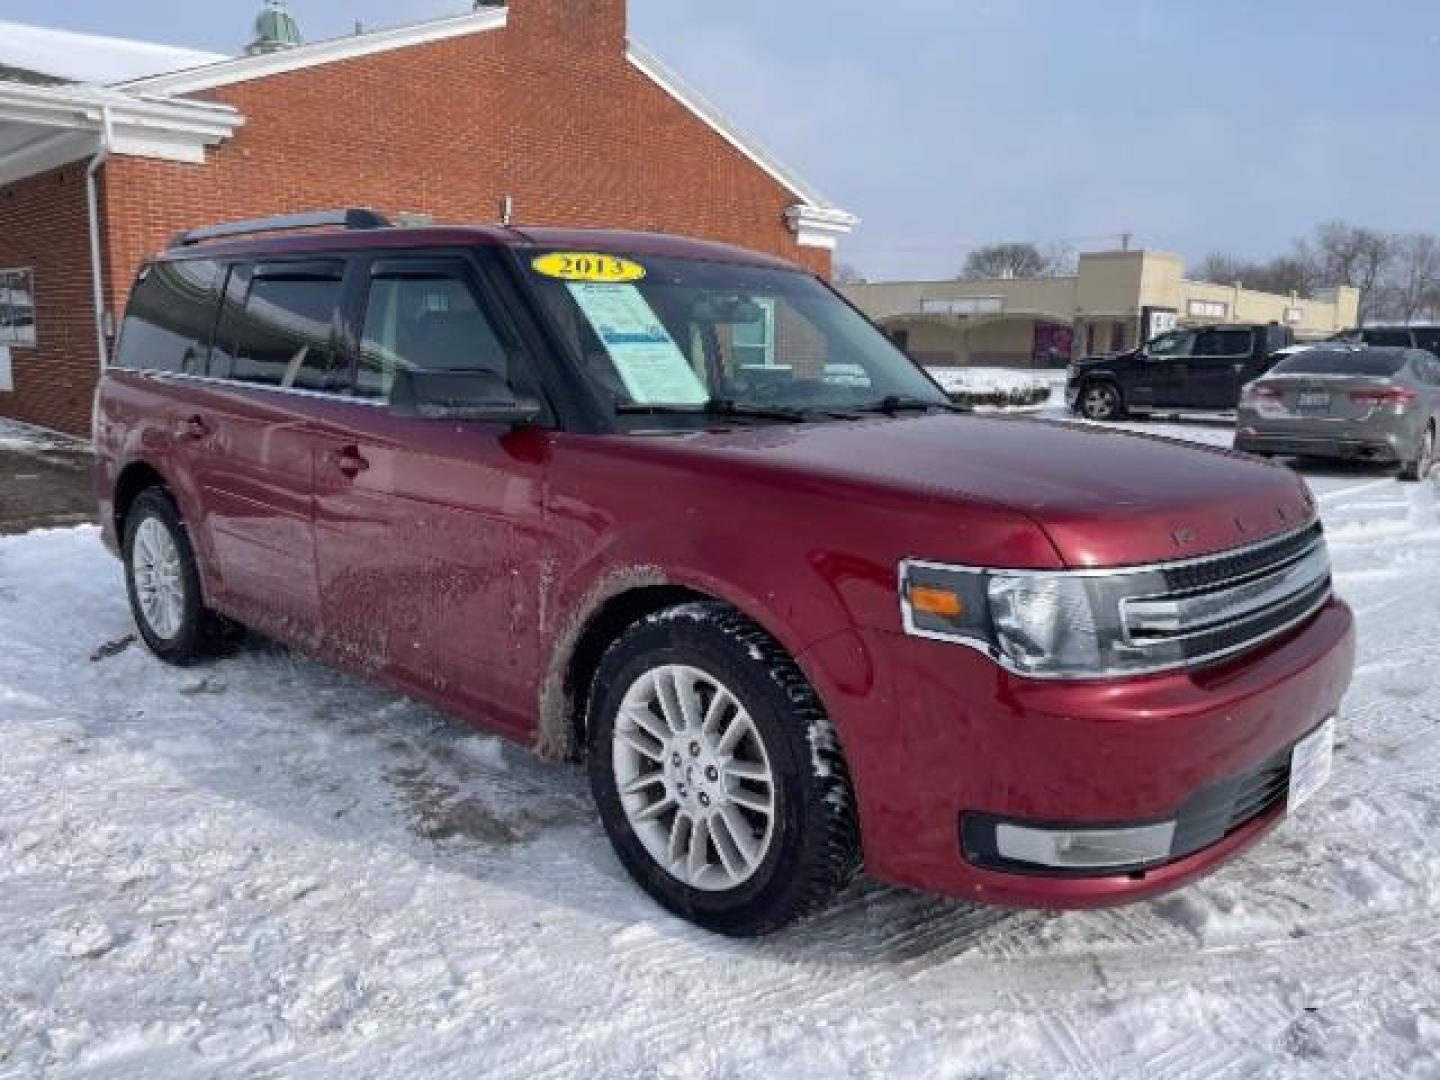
(42,127)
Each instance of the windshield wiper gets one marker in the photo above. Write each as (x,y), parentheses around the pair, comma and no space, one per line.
(721,407)
(899,403)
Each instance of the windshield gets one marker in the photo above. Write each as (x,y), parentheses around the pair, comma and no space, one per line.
(685,334)
(1346,362)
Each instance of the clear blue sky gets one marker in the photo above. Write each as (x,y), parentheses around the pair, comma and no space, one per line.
(1224,124)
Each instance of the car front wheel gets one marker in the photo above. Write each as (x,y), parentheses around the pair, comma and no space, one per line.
(717,774)
(1100,401)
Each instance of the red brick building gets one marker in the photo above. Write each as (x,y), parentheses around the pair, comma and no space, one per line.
(546,104)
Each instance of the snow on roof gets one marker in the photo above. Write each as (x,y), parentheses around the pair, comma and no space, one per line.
(90,58)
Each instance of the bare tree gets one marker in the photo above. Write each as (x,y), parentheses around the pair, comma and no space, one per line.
(847,274)
(1359,257)
(1412,285)
(1007,261)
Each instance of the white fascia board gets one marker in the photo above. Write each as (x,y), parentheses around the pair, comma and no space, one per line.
(246,68)
(51,150)
(69,121)
(816,227)
(669,81)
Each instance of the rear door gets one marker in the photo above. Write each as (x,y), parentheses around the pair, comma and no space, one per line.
(275,358)
(431,533)
(1219,366)
(1162,373)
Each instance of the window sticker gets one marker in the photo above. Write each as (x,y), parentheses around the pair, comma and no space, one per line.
(648,361)
(588,266)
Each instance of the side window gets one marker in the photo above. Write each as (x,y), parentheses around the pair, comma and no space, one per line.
(1225,343)
(278,326)
(425,319)
(1399,338)
(168,322)
(754,341)
(1428,339)
(1178,344)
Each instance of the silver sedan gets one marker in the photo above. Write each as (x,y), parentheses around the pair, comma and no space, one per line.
(1350,402)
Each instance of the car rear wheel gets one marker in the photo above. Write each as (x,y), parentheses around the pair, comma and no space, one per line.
(1424,461)
(1100,401)
(163,581)
(717,774)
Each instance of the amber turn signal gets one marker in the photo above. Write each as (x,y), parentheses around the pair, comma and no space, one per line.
(934,601)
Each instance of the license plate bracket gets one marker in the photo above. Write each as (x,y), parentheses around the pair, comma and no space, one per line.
(1314,401)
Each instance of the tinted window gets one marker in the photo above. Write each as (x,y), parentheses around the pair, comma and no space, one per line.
(1347,362)
(1428,338)
(1397,338)
(277,328)
(426,320)
(1223,343)
(167,325)
(1179,343)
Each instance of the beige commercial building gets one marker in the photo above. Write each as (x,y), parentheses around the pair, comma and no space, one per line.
(1116,300)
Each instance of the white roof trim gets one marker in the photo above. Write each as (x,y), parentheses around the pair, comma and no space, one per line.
(246,68)
(69,121)
(693,100)
(819,227)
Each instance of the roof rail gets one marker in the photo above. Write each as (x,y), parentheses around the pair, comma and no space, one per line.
(319,219)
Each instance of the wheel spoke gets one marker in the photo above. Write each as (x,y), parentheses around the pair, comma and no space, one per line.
(748,770)
(640,783)
(639,742)
(761,804)
(686,698)
(696,861)
(728,845)
(665,695)
(716,712)
(679,834)
(647,721)
(738,728)
(656,809)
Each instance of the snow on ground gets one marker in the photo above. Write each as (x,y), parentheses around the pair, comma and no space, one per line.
(264,868)
(955,379)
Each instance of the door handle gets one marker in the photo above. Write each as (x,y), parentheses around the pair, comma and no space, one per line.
(348,461)
(192,428)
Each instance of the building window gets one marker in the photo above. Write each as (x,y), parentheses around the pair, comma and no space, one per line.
(754,341)
(1208,309)
(17,307)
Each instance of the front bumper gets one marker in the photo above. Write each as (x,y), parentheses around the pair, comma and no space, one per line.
(934,733)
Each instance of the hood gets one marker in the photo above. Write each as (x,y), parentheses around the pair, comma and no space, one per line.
(1104,498)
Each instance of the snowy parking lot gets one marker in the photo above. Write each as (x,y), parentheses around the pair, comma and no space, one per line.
(264,868)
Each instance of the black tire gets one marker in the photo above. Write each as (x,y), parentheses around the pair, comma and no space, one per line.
(1100,401)
(201,633)
(814,848)
(1424,460)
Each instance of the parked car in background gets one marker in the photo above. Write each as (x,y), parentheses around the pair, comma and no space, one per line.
(546,480)
(1192,370)
(1353,402)
(1400,337)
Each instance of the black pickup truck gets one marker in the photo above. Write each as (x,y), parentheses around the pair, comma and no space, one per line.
(1200,369)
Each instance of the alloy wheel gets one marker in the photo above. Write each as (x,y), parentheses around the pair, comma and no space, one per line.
(159,578)
(1099,402)
(694,777)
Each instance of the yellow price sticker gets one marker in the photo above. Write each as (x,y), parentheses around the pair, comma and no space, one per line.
(588,266)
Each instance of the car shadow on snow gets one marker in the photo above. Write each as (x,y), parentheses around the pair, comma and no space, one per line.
(317,748)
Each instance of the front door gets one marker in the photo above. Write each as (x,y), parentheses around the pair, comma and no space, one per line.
(254,442)
(430,533)
(1219,367)
(1162,371)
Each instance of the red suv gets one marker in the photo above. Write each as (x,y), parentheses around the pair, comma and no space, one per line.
(679,510)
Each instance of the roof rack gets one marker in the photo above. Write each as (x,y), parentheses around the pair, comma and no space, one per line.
(319,219)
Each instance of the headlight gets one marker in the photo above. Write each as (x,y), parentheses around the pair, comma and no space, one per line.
(1048,625)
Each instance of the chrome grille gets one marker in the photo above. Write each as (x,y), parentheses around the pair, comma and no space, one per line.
(1222,605)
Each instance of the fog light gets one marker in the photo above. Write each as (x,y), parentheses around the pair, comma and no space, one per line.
(1085,849)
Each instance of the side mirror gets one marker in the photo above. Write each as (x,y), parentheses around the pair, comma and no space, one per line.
(460,395)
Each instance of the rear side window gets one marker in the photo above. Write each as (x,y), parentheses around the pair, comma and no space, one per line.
(171,313)
(278,326)
(1224,343)
(1393,338)
(424,320)
(1429,338)
(1346,362)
